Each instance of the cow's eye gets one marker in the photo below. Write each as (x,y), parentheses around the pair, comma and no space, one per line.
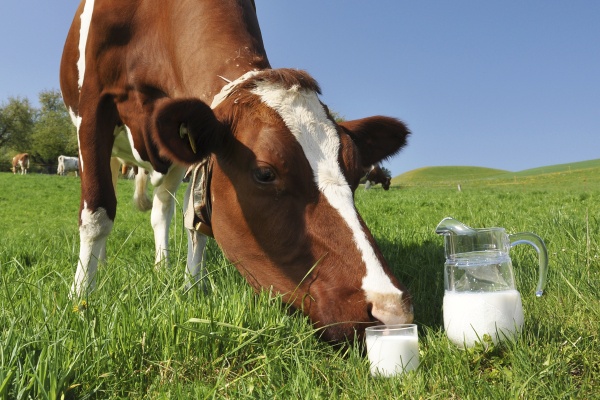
(264,174)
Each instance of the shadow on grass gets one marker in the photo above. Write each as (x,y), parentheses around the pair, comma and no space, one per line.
(420,268)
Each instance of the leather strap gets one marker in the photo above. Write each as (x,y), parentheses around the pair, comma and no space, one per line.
(199,210)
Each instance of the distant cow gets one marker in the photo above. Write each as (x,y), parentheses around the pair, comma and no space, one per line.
(21,161)
(66,164)
(375,176)
(168,84)
(129,171)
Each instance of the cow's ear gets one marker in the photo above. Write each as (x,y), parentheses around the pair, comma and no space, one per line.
(186,130)
(377,138)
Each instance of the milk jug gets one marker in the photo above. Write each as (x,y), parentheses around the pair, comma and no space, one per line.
(480,296)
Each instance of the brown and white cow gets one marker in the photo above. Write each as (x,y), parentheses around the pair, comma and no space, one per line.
(22,161)
(147,81)
(375,176)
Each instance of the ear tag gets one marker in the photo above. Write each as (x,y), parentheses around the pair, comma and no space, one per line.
(183,132)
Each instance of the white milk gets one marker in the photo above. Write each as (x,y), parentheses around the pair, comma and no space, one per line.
(470,315)
(389,354)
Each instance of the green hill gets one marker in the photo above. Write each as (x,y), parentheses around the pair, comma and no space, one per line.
(446,174)
(576,166)
(583,172)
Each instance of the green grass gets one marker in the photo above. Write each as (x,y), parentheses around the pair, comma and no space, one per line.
(141,335)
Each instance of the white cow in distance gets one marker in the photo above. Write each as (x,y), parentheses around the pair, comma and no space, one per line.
(66,164)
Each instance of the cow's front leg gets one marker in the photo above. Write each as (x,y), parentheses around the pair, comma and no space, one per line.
(98,205)
(94,229)
(97,213)
(163,206)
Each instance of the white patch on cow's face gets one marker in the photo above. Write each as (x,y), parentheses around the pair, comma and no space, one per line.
(305,117)
(86,20)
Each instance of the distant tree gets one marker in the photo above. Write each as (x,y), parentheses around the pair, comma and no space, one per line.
(53,133)
(16,125)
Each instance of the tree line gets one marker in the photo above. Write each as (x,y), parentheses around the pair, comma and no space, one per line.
(45,132)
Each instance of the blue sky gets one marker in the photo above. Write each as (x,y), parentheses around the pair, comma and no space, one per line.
(505,84)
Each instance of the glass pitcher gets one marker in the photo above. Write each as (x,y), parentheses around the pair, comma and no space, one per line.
(480,295)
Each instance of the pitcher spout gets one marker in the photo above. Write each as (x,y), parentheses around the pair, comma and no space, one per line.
(451,225)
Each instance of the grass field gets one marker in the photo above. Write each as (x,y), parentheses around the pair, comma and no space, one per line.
(140,335)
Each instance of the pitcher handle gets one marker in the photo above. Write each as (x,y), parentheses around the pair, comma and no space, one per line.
(538,244)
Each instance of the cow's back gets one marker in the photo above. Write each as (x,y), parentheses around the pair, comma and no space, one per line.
(147,49)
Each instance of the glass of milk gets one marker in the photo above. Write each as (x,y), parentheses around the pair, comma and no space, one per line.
(392,349)
(480,296)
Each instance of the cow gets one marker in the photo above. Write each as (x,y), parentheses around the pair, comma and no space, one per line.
(272,174)
(22,161)
(375,176)
(66,164)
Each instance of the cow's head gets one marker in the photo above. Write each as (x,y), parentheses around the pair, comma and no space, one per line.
(387,181)
(282,190)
